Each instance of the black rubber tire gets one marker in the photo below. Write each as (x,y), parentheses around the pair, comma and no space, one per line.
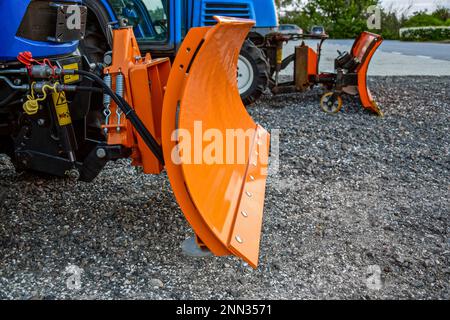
(96,41)
(261,70)
(93,46)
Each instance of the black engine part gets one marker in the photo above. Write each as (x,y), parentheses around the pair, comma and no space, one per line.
(346,61)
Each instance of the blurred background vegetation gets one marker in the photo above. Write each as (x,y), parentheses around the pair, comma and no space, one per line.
(347,18)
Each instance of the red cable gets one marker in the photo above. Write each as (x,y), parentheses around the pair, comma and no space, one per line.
(26,58)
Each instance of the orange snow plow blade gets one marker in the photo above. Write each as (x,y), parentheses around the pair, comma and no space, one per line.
(364,48)
(215,155)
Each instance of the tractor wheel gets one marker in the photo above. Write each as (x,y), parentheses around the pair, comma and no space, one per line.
(94,46)
(96,42)
(253,73)
(330,105)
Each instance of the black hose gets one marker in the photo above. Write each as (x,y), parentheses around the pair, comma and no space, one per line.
(70,88)
(148,138)
(23,87)
(286,62)
(8,99)
(22,71)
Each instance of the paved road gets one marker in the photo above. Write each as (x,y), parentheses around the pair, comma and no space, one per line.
(439,51)
(394,58)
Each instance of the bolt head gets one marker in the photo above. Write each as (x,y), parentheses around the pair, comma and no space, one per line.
(100,153)
(73,174)
(107,59)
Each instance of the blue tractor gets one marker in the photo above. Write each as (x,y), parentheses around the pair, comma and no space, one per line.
(39,28)
(161,25)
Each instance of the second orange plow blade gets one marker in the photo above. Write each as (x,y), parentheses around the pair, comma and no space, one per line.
(216,156)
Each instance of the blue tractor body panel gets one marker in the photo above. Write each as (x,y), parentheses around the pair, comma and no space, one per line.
(191,13)
(199,13)
(109,9)
(12,13)
(262,11)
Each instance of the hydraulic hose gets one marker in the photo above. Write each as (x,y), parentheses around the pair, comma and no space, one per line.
(9,98)
(14,71)
(148,138)
(23,87)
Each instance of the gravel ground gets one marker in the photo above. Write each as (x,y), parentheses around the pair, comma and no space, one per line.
(359,209)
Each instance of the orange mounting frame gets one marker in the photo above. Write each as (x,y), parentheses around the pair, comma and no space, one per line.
(145,82)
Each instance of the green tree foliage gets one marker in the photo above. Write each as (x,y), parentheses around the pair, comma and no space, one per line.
(442,13)
(341,18)
(348,18)
(284,3)
(427,34)
(422,19)
(391,23)
(440,17)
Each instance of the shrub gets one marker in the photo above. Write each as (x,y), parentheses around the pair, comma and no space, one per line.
(425,34)
(422,20)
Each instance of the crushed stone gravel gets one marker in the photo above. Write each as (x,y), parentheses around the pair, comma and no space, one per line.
(359,209)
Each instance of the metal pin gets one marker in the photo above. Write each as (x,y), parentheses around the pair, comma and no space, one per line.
(252,178)
(249,194)
(238,239)
(244,214)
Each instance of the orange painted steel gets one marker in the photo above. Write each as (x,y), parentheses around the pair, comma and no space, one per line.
(145,80)
(222,200)
(312,62)
(364,49)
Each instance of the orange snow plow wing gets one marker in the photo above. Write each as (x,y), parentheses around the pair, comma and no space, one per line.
(215,155)
(189,118)
(364,48)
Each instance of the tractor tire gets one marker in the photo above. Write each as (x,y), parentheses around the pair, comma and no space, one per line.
(253,73)
(93,46)
(96,41)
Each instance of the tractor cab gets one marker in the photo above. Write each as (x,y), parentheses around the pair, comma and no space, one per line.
(155,29)
(160,26)
(149,19)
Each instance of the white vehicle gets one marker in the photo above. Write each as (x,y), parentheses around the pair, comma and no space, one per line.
(290,29)
(317,30)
